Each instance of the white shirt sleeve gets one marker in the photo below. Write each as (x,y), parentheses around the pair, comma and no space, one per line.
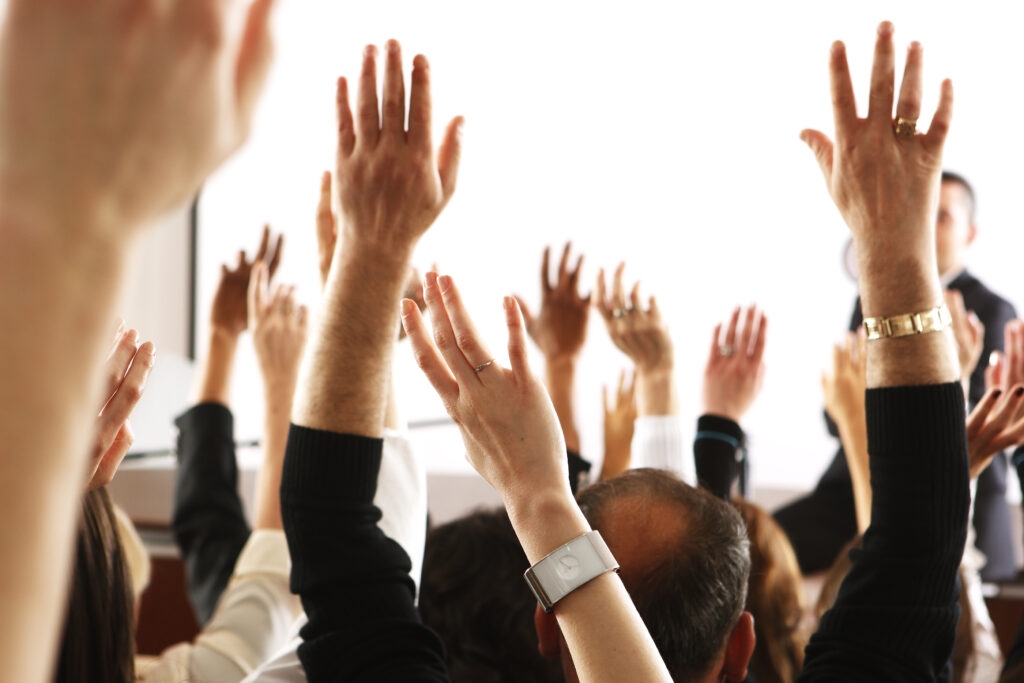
(252,619)
(659,442)
(402,499)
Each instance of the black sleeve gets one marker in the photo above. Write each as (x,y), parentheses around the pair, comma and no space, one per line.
(1015,657)
(578,470)
(353,580)
(896,613)
(208,521)
(718,454)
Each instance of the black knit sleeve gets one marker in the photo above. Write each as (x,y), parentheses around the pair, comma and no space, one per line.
(353,580)
(896,613)
(208,521)
(718,453)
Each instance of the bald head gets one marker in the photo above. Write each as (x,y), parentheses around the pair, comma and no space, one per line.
(684,559)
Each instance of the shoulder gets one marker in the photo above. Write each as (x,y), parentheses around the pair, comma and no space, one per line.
(988,305)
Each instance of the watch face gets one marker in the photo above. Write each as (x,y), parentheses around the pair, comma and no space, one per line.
(568,567)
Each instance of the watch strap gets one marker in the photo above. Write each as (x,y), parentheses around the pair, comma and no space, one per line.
(933,320)
(568,567)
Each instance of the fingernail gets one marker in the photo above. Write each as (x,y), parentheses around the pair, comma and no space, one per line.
(997,393)
(445,283)
(132,336)
(370,51)
(1019,392)
(430,279)
(838,47)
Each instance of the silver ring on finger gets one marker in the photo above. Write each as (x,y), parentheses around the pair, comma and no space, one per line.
(726,349)
(619,313)
(482,366)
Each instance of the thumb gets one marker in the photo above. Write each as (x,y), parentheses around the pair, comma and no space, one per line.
(448,156)
(823,151)
(527,316)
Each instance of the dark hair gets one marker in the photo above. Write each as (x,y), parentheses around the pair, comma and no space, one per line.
(98,642)
(972,204)
(692,591)
(473,595)
(775,598)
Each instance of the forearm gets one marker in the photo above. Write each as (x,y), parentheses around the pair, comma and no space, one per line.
(277,418)
(56,312)
(605,635)
(349,358)
(854,437)
(656,392)
(559,378)
(213,383)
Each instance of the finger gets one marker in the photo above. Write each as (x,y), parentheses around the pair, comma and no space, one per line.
(748,330)
(275,260)
(121,405)
(1001,414)
(254,58)
(278,298)
(325,221)
(976,418)
(563,268)
(466,335)
(716,349)
(346,125)
(261,251)
(527,316)
(545,271)
(909,104)
(730,332)
(302,318)
(935,139)
(955,301)
(368,124)
(602,303)
(838,359)
(420,135)
(618,293)
(994,371)
(823,152)
(844,104)
(242,262)
(426,355)
(574,278)
(257,294)
(393,107)
(118,361)
(112,457)
(517,356)
(1017,352)
(444,334)
(977,327)
(653,312)
(604,401)
(883,77)
(622,386)
(759,341)
(449,154)
(634,297)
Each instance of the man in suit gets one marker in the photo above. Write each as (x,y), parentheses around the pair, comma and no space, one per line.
(821,523)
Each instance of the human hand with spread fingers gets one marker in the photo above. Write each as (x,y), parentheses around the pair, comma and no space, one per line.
(619,425)
(229,312)
(734,372)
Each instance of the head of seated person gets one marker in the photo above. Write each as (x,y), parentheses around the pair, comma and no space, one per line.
(98,643)
(775,597)
(473,596)
(685,560)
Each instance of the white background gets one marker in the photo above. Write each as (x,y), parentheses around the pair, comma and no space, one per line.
(664,134)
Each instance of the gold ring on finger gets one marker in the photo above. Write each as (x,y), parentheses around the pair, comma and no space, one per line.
(904,127)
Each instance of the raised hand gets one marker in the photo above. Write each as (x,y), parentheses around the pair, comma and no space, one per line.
(229,314)
(969,333)
(278,331)
(560,326)
(619,423)
(884,178)
(510,429)
(995,424)
(131,114)
(391,186)
(734,372)
(640,334)
(127,368)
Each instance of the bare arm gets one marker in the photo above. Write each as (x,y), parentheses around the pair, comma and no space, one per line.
(82,168)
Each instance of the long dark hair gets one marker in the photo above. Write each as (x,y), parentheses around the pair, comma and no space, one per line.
(98,642)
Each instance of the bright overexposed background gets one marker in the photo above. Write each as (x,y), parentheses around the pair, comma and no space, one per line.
(662,134)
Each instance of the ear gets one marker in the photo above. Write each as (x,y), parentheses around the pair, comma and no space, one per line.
(547,634)
(739,649)
(972,233)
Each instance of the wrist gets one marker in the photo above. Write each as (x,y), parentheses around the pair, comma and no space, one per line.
(384,254)
(223,338)
(544,521)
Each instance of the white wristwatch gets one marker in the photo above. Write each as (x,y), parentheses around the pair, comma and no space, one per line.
(568,567)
